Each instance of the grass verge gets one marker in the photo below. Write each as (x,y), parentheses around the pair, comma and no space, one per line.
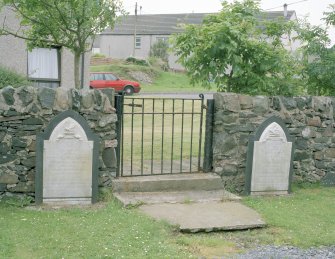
(96,232)
(303,219)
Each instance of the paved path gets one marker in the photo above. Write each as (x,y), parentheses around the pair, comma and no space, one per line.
(195,210)
(206,216)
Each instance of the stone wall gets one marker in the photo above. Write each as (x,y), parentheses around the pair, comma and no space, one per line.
(310,121)
(26,111)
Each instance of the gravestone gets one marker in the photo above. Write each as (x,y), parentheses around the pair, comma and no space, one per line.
(269,160)
(66,155)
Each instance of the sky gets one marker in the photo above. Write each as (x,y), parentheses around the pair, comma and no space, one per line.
(313,8)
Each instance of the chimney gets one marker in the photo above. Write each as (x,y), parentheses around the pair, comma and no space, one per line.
(285,10)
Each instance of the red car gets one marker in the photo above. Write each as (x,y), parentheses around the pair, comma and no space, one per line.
(100,80)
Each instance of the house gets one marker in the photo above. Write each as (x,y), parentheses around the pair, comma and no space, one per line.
(135,35)
(49,67)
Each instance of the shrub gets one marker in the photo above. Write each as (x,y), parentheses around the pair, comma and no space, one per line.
(160,50)
(12,78)
(98,55)
(137,61)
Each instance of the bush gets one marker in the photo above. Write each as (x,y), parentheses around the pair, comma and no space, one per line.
(10,77)
(160,50)
(136,61)
(98,55)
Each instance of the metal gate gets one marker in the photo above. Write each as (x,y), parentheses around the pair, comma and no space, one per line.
(160,135)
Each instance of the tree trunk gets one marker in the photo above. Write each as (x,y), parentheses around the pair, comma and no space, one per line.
(76,70)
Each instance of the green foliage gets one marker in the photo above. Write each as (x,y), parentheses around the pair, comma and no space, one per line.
(137,61)
(231,49)
(70,24)
(9,77)
(318,62)
(98,55)
(330,16)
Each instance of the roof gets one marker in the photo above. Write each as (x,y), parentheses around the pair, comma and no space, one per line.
(166,24)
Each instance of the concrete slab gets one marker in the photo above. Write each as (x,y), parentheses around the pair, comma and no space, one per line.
(132,198)
(207,216)
(172,182)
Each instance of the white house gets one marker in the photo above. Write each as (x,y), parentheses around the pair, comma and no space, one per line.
(50,67)
(135,35)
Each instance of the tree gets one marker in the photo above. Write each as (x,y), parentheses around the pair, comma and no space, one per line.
(238,51)
(71,24)
(318,59)
(330,16)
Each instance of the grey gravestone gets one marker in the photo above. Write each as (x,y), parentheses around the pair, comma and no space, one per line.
(269,161)
(329,179)
(66,157)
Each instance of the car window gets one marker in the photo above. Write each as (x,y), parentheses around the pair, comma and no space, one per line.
(110,77)
(98,77)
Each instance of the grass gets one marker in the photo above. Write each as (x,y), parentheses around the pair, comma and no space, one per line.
(171,82)
(96,232)
(303,219)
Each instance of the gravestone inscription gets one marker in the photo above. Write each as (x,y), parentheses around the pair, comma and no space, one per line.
(269,161)
(66,162)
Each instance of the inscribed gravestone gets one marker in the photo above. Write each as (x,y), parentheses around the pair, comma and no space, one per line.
(269,162)
(67,155)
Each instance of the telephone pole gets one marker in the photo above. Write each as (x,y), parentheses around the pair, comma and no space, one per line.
(135,24)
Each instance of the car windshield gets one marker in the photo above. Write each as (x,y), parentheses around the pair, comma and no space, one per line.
(110,77)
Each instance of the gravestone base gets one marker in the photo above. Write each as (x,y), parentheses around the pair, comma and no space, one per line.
(68,201)
(269,193)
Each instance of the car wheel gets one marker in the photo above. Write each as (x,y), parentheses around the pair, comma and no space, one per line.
(129,90)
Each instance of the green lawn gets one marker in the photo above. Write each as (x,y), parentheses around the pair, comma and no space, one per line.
(304,219)
(171,82)
(100,231)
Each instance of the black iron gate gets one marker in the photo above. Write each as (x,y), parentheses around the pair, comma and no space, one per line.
(162,135)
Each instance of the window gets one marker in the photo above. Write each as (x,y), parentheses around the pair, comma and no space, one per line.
(97,77)
(110,77)
(43,67)
(138,42)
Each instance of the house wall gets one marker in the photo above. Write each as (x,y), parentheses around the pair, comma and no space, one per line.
(122,47)
(14,54)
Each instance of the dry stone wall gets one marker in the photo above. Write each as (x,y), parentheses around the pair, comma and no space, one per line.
(26,111)
(310,121)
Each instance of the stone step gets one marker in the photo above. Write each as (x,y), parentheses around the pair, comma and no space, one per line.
(186,197)
(176,182)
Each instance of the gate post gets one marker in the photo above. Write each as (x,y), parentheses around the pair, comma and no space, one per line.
(119,111)
(208,150)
